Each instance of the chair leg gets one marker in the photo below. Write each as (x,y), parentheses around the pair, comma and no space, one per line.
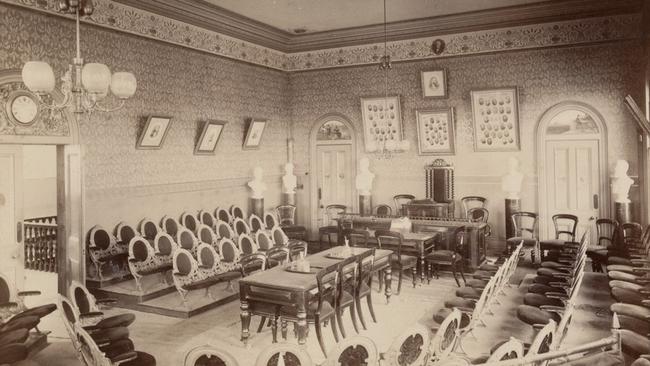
(414,273)
(274,329)
(462,274)
(339,316)
(399,282)
(283,328)
(372,310)
(428,273)
(453,271)
(261,326)
(360,312)
(335,332)
(319,336)
(353,316)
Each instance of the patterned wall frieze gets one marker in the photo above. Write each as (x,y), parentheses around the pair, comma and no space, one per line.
(127,19)
(161,190)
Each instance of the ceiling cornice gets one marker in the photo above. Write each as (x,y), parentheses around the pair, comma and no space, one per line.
(214,18)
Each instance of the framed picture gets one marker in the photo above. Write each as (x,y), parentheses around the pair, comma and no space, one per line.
(154,132)
(496,119)
(434,84)
(435,131)
(209,138)
(254,133)
(382,121)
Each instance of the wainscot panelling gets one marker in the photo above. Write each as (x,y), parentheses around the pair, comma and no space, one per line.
(599,75)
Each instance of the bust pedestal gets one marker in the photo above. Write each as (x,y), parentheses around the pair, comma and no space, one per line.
(623,212)
(512,205)
(365,205)
(289,198)
(257,206)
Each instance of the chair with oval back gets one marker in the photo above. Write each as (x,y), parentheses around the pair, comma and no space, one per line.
(124,233)
(206,234)
(13,307)
(186,240)
(186,272)
(246,244)
(446,338)
(237,212)
(270,220)
(149,229)
(169,225)
(224,231)
(263,240)
(104,251)
(383,210)
(143,261)
(230,255)
(126,355)
(190,221)
(279,237)
(255,223)
(86,303)
(511,349)
(240,226)
(206,218)
(223,215)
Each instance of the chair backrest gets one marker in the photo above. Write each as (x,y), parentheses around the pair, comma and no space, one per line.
(70,316)
(184,264)
(255,223)
(565,224)
(286,214)
(543,341)
(333,211)
(224,231)
(279,254)
(252,263)
(205,234)
(447,336)
(390,238)
(208,355)
(469,202)
(458,237)
(140,250)
(99,238)
(365,263)
(169,225)
(400,200)
(246,244)
(82,299)
(357,237)
(223,215)
(186,239)
(631,233)
(208,258)
(237,212)
(164,244)
(189,221)
(606,230)
(206,218)
(383,210)
(524,223)
(7,293)
(478,214)
(327,280)
(149,229)
(240,226)
(410,347)
(511,349)
(263,240)
(229,251)
(357,350)
(124,233)
(270,220)
(279,237)
(295,248)
(90,351)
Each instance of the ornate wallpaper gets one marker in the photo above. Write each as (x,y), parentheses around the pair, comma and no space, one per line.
(135,21)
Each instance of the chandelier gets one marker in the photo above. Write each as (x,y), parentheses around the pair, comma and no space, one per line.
(84,85)
(386,148)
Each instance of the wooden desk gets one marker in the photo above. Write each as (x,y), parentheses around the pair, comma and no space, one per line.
(277,286)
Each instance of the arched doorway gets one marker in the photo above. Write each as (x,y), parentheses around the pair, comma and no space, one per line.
(572,164)
(332,164)
(57,129)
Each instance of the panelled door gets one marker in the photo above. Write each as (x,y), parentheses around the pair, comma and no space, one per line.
(334,178)
(11,211)
(572,181)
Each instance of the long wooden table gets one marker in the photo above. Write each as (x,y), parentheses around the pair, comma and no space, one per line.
(277,286)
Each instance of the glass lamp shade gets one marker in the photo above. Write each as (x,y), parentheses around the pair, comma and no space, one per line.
(38,77)
(123,85)
(96,78)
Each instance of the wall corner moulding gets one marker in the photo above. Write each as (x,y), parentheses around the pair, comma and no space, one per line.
(139,22)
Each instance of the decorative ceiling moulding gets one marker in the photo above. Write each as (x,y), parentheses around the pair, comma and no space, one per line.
(124,18)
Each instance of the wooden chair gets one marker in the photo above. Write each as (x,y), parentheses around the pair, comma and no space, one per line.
(565,225)
(365,271)
(346,293)
(357,237)
(237,212)
(321,307)
(449,257)
(296,249)
(223,215)
(169,225)
(525,227)
(189,221)
(480,214)
(254,263)
(208,355)
(277,256)
(246,244)
(399,261)
(357,350)
(606,230)
(255,223)
(148,229)
(383,210)
(400,200)
(284,354)
(287,218)
(207,218)
(469,202)
(332,212)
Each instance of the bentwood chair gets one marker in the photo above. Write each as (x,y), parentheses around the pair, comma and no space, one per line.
(383,210)
(565,225)
(402,262)
(321,308)
(451,257)
(332,212)
(469,202)
(525,227)
(400,200)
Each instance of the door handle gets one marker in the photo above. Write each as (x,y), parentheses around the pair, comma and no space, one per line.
(596,201)
(19,232)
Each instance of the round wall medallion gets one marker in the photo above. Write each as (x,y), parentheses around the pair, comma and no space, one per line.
(22,107)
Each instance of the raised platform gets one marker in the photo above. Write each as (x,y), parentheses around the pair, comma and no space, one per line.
(126,292)
(108,280)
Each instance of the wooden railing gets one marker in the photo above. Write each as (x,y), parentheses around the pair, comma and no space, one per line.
(40,243)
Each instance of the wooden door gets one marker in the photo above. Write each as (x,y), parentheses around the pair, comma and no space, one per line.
(11,215)
(572,181)
(334,178)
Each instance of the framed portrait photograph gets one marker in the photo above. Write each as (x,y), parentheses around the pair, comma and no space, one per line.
(434,83)
(254,133)
(209,137)
(435,131)
(154,132)
(495,114)
(382,121)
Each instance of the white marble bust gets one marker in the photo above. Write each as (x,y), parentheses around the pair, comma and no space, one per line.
(289,180)
(257,185)
(364,178)
(511,182)
(621,183)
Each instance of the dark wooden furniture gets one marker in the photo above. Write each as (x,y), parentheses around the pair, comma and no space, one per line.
(400,201)
(401,262)
(332,212)
(525,225)
(429,208)
(383,210)
(365,264)
(469,202)
(565,224)
(451,257)
(287,217)
(278,286)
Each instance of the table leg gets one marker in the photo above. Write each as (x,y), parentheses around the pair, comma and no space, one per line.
(422,266)
(388,279)
(303,327)
(245,322)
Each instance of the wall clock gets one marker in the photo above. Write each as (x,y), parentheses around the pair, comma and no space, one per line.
(22,107)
